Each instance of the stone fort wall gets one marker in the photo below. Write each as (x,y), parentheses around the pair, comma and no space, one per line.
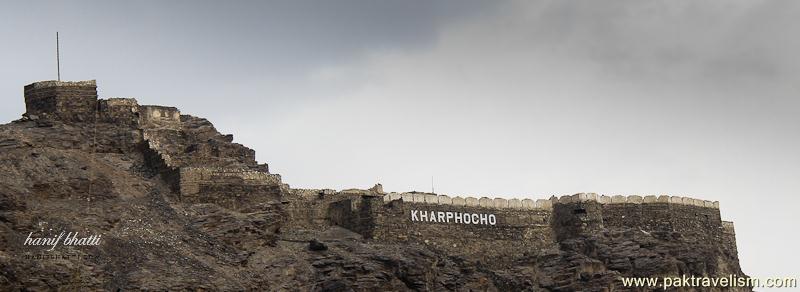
(228,187)
(163,117)
(518,226)
(317,208)
(67,101)
(178,154)
(483,231)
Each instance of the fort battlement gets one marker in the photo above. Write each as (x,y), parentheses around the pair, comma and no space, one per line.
(192,178)
(195,160)
(77,101)
(428,198)
(63,100)
(228,187)
(474,226)
(547,204)
(53,83)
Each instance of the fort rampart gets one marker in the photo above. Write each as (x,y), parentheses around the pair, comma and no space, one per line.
(228,187)
(318,208)
(198,163)
(498,230)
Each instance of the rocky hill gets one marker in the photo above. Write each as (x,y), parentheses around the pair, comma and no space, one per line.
(178,205)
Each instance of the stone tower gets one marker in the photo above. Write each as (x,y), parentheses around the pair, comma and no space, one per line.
(62,100)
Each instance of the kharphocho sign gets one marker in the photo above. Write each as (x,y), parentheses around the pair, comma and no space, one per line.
(453,217)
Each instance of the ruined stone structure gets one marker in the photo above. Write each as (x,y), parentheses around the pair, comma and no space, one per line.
(198,163)
(68,101)
(581,241)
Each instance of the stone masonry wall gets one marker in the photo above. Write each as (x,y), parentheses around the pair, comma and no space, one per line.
(66,101)
(197,162)
(519,226)
(498,236)
(663,213)
(227,186)
(123,111)
(320,208)
(573,218)
(153,116)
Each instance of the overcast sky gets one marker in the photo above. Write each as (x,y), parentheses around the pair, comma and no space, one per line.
(515,99)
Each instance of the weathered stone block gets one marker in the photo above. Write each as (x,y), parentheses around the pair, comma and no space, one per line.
(459,201)
(663,199)
(698,203)
(604,199)
(650,199)
(407,197)
(471,201)
(634,199)
(419,198)
(528,204)
(485,202)
(153,116)
(121,111)
(515,203)
(500,203)
(431,199)
(617,199)
(445,200)
(544,204)
(583,197)
(727,226)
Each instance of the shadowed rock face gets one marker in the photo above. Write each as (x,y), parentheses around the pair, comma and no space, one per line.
(239,228)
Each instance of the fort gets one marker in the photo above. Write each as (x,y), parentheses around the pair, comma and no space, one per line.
(201,165)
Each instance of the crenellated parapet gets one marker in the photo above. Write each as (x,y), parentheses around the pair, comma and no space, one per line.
(547,204)
(485,202)
(636,199)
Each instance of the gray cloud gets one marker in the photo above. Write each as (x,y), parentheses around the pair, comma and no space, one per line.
(178,47)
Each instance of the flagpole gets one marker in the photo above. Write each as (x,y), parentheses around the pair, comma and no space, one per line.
(58,59)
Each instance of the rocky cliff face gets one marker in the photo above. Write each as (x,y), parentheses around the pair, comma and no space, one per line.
(99,177)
